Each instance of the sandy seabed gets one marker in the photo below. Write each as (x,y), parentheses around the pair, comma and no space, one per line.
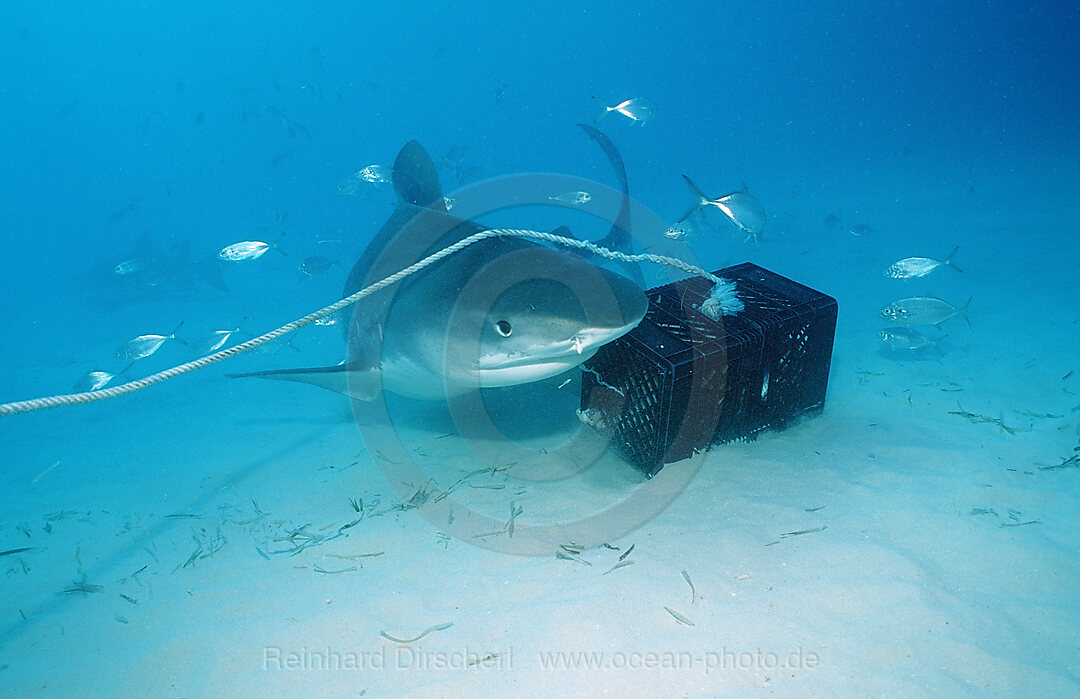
(208,538)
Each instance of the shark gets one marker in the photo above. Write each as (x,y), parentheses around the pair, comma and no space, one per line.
(152,270)
(500,312)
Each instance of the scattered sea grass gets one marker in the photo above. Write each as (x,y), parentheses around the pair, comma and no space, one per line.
(425,632)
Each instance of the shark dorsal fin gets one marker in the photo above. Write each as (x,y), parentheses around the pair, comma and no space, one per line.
(415,179)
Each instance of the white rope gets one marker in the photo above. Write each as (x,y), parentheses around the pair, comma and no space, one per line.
(44,403)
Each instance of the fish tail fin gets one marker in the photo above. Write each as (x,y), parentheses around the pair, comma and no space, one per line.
(277,247)
(702,199)
(964,313)
(949,262)
(689,212)
(172,335)
(605,109)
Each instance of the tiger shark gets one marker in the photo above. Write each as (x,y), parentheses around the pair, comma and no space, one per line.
(500,312)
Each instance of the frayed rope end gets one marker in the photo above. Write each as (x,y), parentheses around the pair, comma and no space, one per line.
(723,300)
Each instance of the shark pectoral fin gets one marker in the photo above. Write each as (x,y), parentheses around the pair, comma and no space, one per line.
(349,380)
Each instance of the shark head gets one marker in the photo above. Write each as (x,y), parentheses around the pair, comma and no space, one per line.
(540,326)
(509,312)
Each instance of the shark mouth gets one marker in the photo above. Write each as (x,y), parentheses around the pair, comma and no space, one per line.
(565,353)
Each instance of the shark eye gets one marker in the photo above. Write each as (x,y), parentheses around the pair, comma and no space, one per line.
(504,328)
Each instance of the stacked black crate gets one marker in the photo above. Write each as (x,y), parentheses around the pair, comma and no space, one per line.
(682,381)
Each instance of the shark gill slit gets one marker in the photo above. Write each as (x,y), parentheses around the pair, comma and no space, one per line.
(58,401)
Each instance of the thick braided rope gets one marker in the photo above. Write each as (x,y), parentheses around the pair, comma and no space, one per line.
(58,401)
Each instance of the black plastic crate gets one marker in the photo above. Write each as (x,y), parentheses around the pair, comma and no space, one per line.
(681,381)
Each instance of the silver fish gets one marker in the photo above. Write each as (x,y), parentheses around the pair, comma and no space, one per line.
(92,381)
(317,264)
(455,157)
(908,339)
(923,310)
(336,317)
(682,230)
(371,175)
(635,109)
(912,267)
(216,339)
(350,186)
(450,203)
(130,267)
(375,174)
(145,345)
(274,346)
(572,198)
(860,229)
(741,208)
(248,250)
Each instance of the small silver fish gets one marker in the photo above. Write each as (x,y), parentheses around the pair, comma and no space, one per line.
(907,339)
(130,267)
(375,174)
(572,198)
(214,340)
(274,346)
(248,250)
(681,230)
(455,156)
(912,267)
(860,229)
(372,174)
(350,186)
(449,203)
(336,317)
(92,381)
(635,109)
(244,250)
(923,310)
(145,345)
(741,208)
(317,264)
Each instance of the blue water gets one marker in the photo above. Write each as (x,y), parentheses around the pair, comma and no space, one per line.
(168,131)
